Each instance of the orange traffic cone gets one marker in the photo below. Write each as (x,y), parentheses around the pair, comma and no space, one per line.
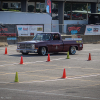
(48,59)
(89,58)
(5,50)
(64,73)
(21,61)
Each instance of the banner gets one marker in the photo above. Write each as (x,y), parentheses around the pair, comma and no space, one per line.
(48,4)
(92,30)
(29,30)
(8,30)
(77,29)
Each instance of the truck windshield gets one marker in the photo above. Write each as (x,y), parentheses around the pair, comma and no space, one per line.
(42,36)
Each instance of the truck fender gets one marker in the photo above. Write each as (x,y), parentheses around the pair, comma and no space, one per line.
(74,46)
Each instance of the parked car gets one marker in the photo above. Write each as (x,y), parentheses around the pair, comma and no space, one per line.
(57,18)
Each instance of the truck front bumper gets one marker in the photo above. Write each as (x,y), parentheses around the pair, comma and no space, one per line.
(27,50)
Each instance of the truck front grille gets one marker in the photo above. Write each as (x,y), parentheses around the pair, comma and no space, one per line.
(25,46)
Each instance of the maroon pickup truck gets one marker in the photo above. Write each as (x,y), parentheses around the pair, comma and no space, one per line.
(49,42)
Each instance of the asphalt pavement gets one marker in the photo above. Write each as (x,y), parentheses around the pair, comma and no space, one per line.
(41,80)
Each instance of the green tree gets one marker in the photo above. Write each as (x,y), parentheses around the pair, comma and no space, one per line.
(75,6)
(30,8)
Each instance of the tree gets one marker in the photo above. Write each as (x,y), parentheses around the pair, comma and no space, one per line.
(30,8)
(75,6)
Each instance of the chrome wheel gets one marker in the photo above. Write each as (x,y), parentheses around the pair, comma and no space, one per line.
(43,51)
(72,50)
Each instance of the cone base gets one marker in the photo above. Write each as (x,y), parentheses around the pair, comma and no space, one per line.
(63,77)
(16,81)
(88,60)
(5,54)
(47,61)
(21,63)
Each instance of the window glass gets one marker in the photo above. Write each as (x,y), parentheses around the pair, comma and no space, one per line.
(42,5)
(37,6)
(15,5)
(56,37)
(42,36)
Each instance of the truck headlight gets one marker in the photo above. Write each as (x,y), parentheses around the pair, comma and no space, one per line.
(33,46)
(18,46)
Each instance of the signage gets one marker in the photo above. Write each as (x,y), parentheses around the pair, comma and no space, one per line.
(29,30)
(92,30)
(7,30)
(11,38)
(75,29)
(48,4)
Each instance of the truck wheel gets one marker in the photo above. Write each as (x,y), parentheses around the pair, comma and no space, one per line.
(42,51)
(72,50)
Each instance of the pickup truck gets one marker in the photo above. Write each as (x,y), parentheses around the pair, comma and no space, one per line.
(49,42)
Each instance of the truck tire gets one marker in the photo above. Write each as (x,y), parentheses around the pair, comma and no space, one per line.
(43,51)
(72,50)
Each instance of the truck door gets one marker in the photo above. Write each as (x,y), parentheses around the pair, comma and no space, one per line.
(56,43)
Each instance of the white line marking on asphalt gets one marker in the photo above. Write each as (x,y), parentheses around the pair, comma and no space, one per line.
(60,79)
(42,61)
(45,93)
(31,62)
(53,80)
(84,76)
(92,50)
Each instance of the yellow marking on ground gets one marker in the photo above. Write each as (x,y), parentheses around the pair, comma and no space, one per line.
(21,72)
(2,66)
(58,68)
(68,67)
(53,78)
(89,80)
(12,83)
(40,70)
(9,73)
(6,73)
(87,68)
(50,65)
(2,72)
(91,74)
(96,69)
(39,64)
(3,61)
